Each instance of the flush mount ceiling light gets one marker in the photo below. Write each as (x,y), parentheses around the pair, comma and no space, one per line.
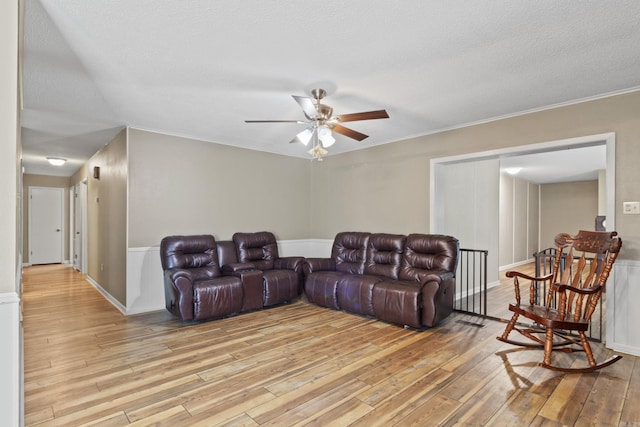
(322,123)
(56,161)
(512,171)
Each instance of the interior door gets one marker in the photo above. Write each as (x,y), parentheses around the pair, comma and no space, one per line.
(80,208)
(46,225)
(77,230)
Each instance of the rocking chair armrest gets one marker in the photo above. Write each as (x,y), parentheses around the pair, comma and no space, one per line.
(526,276)
(516,283)
(557,287)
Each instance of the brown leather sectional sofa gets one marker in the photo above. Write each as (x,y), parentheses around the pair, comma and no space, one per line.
(406,280)
(205,279)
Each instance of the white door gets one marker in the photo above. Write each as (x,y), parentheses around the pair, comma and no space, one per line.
(46,225)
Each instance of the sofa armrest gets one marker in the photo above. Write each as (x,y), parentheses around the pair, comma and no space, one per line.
(310,265)
(230,269)
(181,279)
(438,291)
(423,276)
(439,276)
(179,288)
(289,263)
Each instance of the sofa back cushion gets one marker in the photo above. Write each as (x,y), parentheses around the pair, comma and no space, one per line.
(349,251)
(259,248)
(198,254)
(424,252)
(384,254)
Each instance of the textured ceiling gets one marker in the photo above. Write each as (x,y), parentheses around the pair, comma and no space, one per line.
(199,68)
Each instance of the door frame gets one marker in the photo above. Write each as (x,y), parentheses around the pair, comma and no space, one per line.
(608,139)
(79,216)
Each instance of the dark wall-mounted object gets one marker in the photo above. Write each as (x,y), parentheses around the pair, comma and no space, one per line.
(96,172)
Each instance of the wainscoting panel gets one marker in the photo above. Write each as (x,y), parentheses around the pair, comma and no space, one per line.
(10,357)
(145,283)
(623,333)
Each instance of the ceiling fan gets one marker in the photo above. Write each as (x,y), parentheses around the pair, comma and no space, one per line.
(322,122)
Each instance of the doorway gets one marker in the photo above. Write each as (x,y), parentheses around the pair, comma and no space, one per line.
(480,233)
(46,225)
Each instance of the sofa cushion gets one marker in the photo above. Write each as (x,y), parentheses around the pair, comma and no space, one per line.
(320,288)
(355,293)
(260,248)
(384,254)
(398,302)
(227,253)
(217,297)
(349,251)
(197,253)
(280,286)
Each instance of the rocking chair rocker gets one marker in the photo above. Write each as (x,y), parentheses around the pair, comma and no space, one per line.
(571,299)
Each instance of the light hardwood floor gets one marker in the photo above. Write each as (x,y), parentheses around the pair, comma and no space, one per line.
(298,364)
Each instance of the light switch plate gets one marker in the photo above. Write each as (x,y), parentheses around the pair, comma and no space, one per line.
(631,208)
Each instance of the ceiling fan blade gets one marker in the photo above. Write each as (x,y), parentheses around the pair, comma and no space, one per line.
(274,121)
(307,105)
(366,115)
(349,132)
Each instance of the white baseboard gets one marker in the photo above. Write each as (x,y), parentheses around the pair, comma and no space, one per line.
(107,295)
(515,264)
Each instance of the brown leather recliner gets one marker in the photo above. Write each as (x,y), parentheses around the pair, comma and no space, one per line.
(282,277)
(195,288)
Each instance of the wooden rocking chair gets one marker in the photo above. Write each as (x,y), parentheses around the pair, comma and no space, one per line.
(571,299)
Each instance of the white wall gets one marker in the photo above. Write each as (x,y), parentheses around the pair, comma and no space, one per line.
(519,220)
(468,206)
(10,331)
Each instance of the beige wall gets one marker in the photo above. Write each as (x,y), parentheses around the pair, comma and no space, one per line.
(184,186)
(567,208)
(386,188)
(379,189)
(45,181)
(107,216)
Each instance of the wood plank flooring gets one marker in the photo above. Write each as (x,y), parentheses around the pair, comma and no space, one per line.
(294,365)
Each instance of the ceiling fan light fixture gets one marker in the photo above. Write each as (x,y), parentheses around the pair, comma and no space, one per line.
(325,136)
(56,161)
(317,152)
(328,141)
(305,136)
